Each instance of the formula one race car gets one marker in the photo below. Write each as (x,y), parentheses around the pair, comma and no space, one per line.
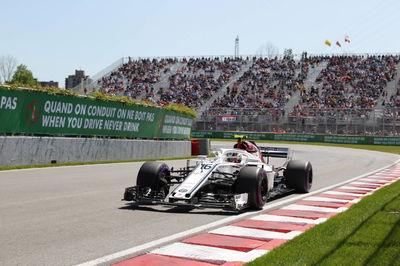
(234,179)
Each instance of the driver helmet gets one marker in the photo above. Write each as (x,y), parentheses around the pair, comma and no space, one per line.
(233,157)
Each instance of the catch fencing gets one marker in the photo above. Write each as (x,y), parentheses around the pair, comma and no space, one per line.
(365,140)
(384,121)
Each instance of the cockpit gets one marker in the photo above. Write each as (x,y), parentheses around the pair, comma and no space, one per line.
(233,157)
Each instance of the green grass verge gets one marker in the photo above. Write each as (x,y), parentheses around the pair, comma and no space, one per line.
(3,168)
(366,234)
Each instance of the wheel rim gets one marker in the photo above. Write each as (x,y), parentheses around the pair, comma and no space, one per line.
(162,186)
(309,178)
(264,190)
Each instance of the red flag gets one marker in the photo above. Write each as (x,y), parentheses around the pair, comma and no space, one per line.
(346,38)
(338,44)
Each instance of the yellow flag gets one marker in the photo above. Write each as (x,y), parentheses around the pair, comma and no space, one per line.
(328,43)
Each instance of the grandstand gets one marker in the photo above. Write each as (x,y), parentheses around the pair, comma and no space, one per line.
(338,94)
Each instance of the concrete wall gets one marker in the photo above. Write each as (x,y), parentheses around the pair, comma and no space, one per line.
(23,150)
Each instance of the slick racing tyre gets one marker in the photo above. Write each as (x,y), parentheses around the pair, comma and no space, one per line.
(299,175)
(254,181)
(154,175)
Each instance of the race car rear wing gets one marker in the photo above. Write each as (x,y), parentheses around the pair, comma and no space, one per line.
(276,152)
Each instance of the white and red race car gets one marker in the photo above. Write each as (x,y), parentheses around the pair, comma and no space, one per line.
(234,179)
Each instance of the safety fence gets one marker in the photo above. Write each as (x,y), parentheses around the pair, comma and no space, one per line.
(383,121)
(370,140)
(34,112)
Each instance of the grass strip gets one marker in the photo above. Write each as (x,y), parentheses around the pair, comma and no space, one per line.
(16,167)
(366,234)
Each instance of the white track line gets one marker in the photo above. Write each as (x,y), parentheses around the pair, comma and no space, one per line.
(381,177)
(357,188)
(298,207)
(364,184)
(344,194)
(386,173)
(288,219)
(323,199)
(181,235)
(231,230)
(206,253)
(373,182)
(390,173)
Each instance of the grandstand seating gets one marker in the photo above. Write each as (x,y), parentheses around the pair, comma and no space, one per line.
(352,82)
(135,77)
(337,88)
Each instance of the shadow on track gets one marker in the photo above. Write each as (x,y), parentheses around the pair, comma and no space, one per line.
(177,209)
(192,210)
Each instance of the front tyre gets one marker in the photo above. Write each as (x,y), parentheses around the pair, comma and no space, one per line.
(154,175)
(253,181)
(299,175)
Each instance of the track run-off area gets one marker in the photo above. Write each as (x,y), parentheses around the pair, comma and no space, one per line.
(73,215)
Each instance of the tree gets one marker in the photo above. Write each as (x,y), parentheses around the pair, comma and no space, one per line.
(271,50)
(7,67)
(268,49)
(23,76)
(288,54)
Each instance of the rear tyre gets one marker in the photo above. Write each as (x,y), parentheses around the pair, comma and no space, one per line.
(254,181)
(299,175)
(154,175)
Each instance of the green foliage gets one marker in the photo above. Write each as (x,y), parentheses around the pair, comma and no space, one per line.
(104,97)
(23,76)
(181,109)
(122,99)
(38,88)
(288,54)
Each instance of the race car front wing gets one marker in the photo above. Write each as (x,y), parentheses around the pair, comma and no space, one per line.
(144,196)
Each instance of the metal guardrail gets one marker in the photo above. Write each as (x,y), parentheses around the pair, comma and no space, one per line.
(383,121)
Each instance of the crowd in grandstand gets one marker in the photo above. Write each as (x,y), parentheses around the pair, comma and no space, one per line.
(267,85)
(196,81)
(348,88)
(394,100)
(351,82)
(135,77)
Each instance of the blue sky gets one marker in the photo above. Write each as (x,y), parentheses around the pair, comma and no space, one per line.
(53,38)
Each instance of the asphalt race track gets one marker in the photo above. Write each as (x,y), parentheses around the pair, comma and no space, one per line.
(70,215)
